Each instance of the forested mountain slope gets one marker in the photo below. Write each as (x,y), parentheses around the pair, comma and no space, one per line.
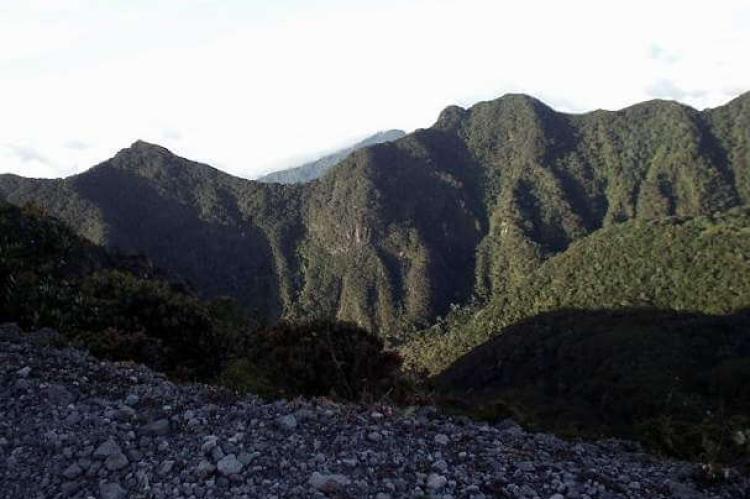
(397,232)
(695,264)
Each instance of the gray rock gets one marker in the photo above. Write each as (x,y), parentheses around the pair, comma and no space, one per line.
(73,471)
(208,444)
(159,427)
(204,469)
(229,465)
(287,422)
(374,436)
(112,490)
(116,461)
(328,483)
(22,385)
(24,372)
(436,482)
(166,467)
(69,488)
(442,439)
(58,395)
(245,458)
(217,453)
(106,449)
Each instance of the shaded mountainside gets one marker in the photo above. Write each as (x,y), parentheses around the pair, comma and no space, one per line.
(121,309)
(698,264)
(398,232)
(316,169)
(674,380)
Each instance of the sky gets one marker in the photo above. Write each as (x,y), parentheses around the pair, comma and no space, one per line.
(250,86)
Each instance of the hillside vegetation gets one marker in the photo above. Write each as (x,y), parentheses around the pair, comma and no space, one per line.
(121,309)
(697,264)
(397,233)
(676,381)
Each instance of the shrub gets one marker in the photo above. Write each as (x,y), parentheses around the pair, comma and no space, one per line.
(320,358)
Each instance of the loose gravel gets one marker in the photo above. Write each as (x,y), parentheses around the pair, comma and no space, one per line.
(74,426)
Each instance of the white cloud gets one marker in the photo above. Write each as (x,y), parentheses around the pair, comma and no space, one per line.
(247,86)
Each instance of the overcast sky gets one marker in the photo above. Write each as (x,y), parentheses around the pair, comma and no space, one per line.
(250,86)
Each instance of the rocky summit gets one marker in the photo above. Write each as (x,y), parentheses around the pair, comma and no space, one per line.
(74,426)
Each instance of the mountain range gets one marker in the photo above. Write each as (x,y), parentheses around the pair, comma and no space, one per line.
(316,169)
(399,233)
(586,274)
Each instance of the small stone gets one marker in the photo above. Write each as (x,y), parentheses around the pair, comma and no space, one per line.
(208,444)
(441,439)
(107,449)
(245,458)
(634,485)
(22,384)
(328,483)
(157,428)
(374,436)
(382,495)
(111,490)
(116,462)
(24,372)
(288,422)
(73,418)
(217,453)
(435,481)
(205,469)
(58,395)
(166,467)
(229,465)
(526,466)
(131,400)
(69,488)
(72,471)
(124,413)
(440,465)
(557,496)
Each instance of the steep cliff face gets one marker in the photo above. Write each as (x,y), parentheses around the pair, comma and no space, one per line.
(397,232)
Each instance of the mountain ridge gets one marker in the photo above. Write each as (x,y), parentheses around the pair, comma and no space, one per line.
(397,233)
(315,169)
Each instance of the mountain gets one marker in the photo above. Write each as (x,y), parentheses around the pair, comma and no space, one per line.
(697,264)
(397,233)
(316,169)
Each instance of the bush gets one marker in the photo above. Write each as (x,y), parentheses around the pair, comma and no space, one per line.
(320,358)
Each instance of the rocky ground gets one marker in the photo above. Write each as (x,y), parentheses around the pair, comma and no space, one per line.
(72,426)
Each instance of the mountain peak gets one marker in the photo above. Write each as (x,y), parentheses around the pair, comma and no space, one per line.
(144,159)
(450,117)
(141,146)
